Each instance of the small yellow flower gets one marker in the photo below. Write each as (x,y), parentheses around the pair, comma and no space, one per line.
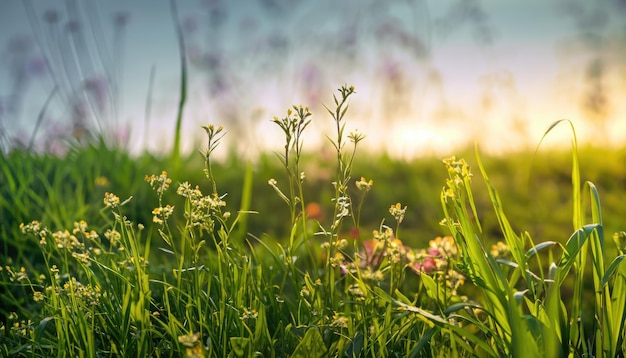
(101,181)
(111,200)
(189,340)
(364,184)
(38,296)
(500,250)
(113,236)
(162,213)
(397,212)
(339,321)
(159,183)
(195,352)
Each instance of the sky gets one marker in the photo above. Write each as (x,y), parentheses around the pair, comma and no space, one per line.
(430,76)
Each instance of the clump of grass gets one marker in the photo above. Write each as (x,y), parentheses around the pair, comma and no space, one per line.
(324,290)
(521,292)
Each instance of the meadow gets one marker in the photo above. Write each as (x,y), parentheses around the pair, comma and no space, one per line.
(295,254)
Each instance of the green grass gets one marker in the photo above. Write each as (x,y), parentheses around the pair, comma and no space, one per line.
(230,258)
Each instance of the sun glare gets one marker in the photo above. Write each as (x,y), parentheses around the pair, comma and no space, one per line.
(417,140)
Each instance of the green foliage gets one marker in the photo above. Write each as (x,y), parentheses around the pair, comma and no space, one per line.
(291,269)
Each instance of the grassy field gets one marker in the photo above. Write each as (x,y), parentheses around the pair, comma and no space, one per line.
(294,254)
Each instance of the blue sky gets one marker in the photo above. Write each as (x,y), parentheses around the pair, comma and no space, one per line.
(427,73)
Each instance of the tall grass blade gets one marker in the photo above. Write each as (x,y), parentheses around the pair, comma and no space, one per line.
(244,208)
(40,117)
(183,83)
(148,108)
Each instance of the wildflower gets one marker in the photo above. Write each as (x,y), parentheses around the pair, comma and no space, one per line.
(458,172)
(337,259)
(189,340)
(211,130)
(396,251)
(339,321)
(356,290)
(249,314)
(364,185)
(216,201)
(38,296)
(376,276)
(427,265)
(397,212)
(341,244)
(82,257)
(445,246)
(87,293)
(161,214)
(91,235)
(304,292)
(159,183)
(384,235)
(35,228)
(185,190)
(500,250)
(18,276)
(65,240)
(111,200)
(448,193)
(22,327)
(79,226)
(101,181)
(32,227)
(113,236)
(195,352)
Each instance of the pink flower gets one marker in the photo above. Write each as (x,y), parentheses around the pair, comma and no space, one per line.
(426,266)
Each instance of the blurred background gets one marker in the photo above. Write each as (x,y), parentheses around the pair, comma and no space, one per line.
(430,76)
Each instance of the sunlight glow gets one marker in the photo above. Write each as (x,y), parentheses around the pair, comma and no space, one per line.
(411,141)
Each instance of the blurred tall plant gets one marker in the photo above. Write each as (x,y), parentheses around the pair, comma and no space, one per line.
(85,73)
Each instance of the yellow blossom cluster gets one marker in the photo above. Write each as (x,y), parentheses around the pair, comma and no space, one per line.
(202,208)
(159,183)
